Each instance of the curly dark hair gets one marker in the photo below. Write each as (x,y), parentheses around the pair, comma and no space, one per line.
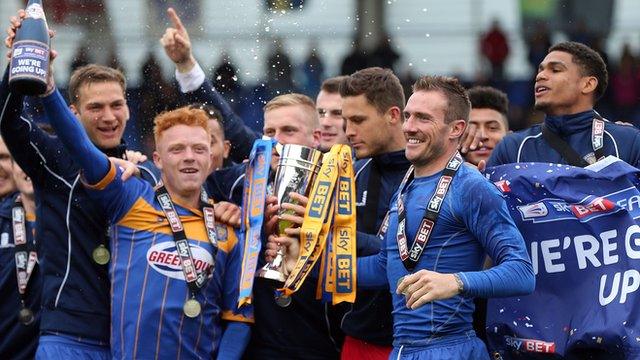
(487,97)
(590,62)
(380,86)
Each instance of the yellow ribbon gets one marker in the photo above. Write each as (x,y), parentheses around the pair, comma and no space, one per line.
(331,200)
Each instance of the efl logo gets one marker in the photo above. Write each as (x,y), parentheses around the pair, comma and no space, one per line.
(503,186)
(164,258)
(535,210)
(454,164)
(531,345)
(599,204)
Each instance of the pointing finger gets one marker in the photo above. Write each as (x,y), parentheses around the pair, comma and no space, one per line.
(175,20)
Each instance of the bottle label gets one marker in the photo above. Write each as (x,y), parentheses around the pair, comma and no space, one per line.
(29,59)
(35,11)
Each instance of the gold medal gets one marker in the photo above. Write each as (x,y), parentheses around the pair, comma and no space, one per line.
(283,300)
(25,316)
(192,308)
(101,255)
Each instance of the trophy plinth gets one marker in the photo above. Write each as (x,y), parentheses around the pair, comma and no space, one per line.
(297,168)
(273,271)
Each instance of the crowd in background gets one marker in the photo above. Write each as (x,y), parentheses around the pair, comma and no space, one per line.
(156,92)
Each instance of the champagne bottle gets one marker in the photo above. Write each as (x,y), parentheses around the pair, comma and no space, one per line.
(30,53)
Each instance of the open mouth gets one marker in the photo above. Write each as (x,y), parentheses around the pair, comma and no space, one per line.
(108,130)
(189,170)
(328,135)
(541,90)
(482,150)
(414,141)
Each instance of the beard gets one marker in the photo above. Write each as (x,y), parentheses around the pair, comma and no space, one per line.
(541,106)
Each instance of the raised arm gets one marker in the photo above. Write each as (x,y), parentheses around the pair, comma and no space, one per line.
(193,83)
(35,151)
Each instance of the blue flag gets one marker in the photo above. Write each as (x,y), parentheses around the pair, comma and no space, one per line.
(581,228)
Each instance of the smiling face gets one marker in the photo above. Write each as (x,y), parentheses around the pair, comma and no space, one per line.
(560,86)
(103,111)
(329,107)
(183,154)
(491,126)
(429,138)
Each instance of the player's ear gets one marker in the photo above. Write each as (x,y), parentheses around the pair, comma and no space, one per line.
(157,161)
(457,128)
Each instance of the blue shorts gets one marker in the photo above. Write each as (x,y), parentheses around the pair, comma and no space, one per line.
(57,347)
(467,347)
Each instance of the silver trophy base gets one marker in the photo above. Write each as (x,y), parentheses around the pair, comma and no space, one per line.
(273,275)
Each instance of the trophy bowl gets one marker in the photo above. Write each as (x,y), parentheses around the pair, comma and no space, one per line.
(297,168)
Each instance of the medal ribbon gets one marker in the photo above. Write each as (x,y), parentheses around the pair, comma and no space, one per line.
(331,207)
(343,256)
(194,279)
(410,257)
(25,253)
(255,192)
(597,137)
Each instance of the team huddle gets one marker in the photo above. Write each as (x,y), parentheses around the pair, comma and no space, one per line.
(105,254)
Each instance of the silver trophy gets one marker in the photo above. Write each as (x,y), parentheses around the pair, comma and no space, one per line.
(297,168)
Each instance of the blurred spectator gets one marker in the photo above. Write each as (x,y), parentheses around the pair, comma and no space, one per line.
(539,43)
(279,72)
(113,60)
(581,34)
(625,87)
(383,55)
(156,95)
(495,49)
(225,80)
(312,71)
(355,60)
(407,79)
(80,58)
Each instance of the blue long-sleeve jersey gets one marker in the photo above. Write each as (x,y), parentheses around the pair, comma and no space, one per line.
(18,341)
(530,146)
(473,220)
(147,281)
(240,135)
(75,293)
